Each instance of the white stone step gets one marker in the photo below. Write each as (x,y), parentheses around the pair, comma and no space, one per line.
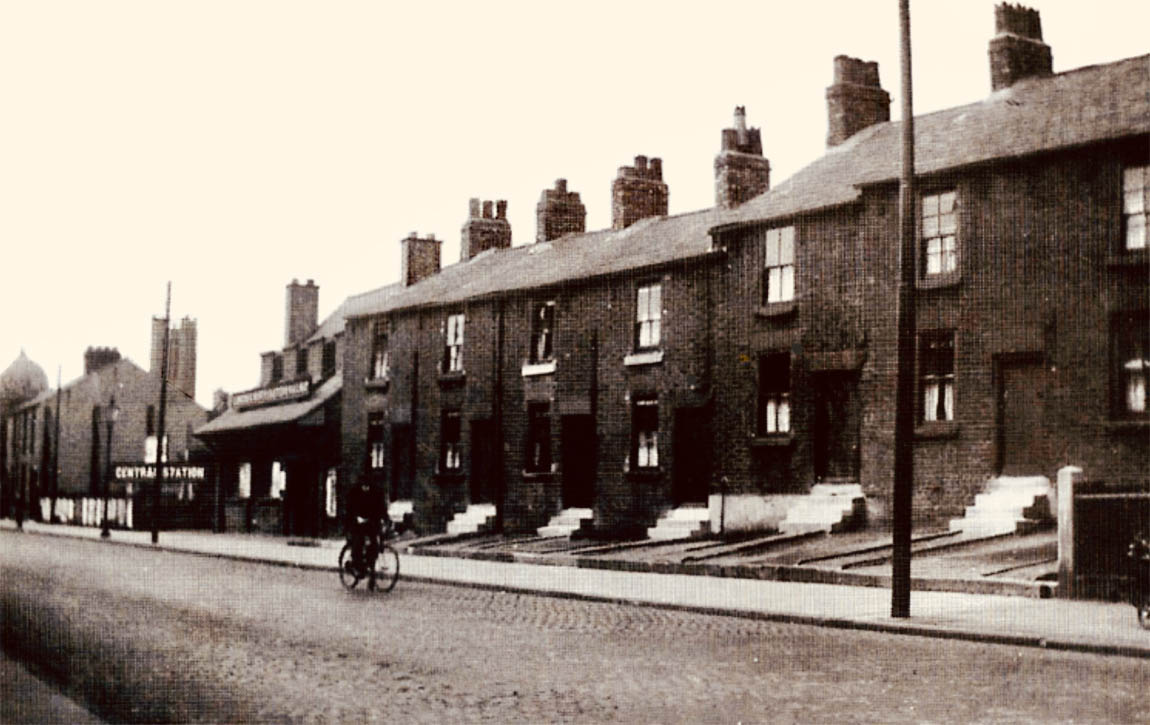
(566,522)
(829,507)
(477,517)
(684,522)
(1007,503)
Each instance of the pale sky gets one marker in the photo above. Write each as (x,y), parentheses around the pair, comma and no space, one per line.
(232,145)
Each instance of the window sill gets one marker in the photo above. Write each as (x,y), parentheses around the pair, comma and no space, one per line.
(650,357)
(1128,425)
(772,440)
(1129,258)
(936,430)
(939,281)
(538,475)
(452,378)
(380,384)
(777,309)
(533,369)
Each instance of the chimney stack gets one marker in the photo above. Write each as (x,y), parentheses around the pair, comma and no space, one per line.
(741,171)
(855,100)
(638,192)
(1017,50)
(302,314)
(181,353)
(480,233)
(559,213)
(99,357)
(420,257)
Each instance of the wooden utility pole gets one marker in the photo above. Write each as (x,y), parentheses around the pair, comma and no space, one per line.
(904,396)
(160,458)
(56,453)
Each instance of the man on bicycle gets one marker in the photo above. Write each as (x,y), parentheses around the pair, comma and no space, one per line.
(365,512)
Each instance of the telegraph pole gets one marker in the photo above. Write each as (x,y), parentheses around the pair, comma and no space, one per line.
(160,458)
(904,397)
(56,452)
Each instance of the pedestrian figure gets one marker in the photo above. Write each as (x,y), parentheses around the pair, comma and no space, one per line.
(18,504)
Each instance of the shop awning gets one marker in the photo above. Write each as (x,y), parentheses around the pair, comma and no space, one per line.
(283,413)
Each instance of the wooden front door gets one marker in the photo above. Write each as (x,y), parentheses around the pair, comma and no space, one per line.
(1022,447)
(483,462)
(402,463)
(835,429)
(577,457)
(691,443)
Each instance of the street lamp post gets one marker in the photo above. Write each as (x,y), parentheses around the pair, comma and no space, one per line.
(113,413)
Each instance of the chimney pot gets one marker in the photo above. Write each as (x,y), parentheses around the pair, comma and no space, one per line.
(641,163)
(501,209)
(487,210)
(561,185)
(473,209)
(657,168)
(1017,51)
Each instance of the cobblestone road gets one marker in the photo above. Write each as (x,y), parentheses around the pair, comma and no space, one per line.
(150,636)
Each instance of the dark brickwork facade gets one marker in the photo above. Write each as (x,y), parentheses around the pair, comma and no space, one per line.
(1041,280)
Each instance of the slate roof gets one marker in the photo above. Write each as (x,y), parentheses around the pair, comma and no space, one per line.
(1062,111)
(648,242)
(232,419)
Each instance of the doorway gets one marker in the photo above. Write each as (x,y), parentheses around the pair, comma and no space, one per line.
(484,462)
(577,456)
(402,463)
(691,465)
(835,426)
(1022,446)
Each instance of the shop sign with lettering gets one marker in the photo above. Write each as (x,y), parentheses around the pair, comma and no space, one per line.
(295,390)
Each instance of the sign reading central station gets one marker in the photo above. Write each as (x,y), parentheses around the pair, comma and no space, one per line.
(147,471)
(263,396)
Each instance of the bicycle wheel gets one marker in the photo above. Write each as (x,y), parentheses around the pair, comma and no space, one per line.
(387,568)
(349,576)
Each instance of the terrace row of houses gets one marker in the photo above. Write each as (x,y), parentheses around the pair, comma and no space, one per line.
(735,368)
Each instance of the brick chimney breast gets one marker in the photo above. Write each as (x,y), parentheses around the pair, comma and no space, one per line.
(420,257)
(489,231)
(855,100)
(302,314)
(559,213)
(1016,50)
(99,357)
(741,171)
(638,192)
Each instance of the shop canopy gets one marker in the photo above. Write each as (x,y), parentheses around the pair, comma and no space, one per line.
(294,412)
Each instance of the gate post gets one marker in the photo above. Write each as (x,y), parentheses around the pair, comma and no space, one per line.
(1068,477)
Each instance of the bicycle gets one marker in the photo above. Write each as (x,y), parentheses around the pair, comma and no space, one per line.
(381,567)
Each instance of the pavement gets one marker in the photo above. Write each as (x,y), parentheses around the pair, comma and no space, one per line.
(626,574)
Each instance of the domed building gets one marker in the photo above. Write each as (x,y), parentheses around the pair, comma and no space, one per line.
(20,382)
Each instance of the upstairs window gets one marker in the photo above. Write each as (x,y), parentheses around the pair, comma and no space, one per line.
(1135,201)
(648,317)
(301,362)
(939,233)
(645,433)
(453,344)
(376,450)
(937,355)
(1131,335)
(538,438)
(774,394)
(277,368)
(380,362)
(449,447)
(779,268)
(542,333)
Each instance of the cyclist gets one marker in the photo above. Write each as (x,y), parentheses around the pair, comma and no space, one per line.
(365,512)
